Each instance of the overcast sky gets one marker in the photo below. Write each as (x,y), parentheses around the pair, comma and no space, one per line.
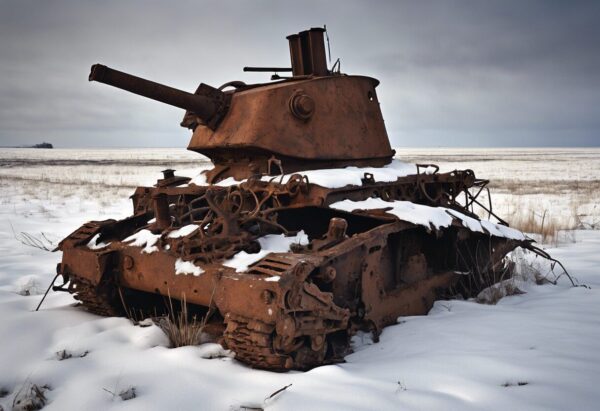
(453,73)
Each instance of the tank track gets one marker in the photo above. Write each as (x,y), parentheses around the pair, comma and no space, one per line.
(97,299)
(252,341)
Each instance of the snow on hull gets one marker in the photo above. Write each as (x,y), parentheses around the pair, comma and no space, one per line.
(427,216)
(144,238)
(93,244)
(272,243)
(183,231)
(335,177)
(187,267)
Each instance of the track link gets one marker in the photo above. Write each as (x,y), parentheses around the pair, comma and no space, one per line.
(97,299)
(252,341)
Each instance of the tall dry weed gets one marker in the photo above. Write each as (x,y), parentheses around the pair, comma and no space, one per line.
(541,224)
(545,225)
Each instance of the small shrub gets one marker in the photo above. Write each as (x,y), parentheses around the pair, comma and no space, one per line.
(128,394)
(125,395)
(63,355)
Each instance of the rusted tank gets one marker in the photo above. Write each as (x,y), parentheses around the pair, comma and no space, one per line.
(304,232)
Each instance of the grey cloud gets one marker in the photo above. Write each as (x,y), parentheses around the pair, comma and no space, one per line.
(452,72)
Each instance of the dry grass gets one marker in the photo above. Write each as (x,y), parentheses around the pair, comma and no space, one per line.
(545,186)
(545,221)
(542,224)
(555,228)
(180,327)
(40,241)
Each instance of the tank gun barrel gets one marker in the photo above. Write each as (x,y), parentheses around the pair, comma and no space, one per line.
(267,69)
(204,107)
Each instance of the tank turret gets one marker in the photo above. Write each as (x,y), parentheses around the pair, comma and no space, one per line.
(317,118)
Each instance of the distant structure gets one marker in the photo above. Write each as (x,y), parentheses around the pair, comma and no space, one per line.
(42,145)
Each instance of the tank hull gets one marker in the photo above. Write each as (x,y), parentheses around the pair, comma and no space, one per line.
(293,308)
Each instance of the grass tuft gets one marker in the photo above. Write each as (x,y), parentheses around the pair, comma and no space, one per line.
(181,328)
(541,224)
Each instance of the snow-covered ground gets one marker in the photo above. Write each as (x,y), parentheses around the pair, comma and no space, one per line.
(537,350)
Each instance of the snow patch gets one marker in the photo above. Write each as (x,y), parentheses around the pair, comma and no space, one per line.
(144,238)
(335,177)
(272,243)
(242,260)
(187,267)
(275,278)
(29,285)
(430,216)
(93,244)
(183,231)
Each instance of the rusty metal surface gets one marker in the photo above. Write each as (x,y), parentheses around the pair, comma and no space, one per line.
(307,53)
(345,124)
(295,309)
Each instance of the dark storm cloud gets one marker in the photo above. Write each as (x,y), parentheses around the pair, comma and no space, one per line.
(452,73)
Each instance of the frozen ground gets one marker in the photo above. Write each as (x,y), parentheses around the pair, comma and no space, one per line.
(537,350)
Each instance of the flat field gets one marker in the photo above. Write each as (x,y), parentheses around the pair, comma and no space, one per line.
(536,350)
